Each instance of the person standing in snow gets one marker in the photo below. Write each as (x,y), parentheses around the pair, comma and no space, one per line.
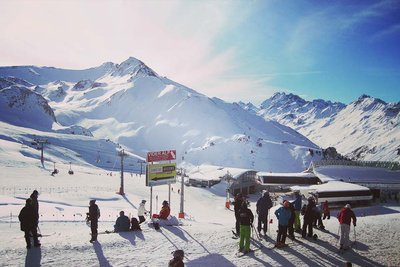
(246,219)
(237,204)
(122,224)
(318,217)
(297,206)
(283,215)
(35,204)
(93,217)
(345,216)
(142,211)
(309,214)
(326,210)
(177,261)
(27,217)
(291,221)
(263,205)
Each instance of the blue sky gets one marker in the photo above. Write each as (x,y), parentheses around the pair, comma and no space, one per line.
(234,50)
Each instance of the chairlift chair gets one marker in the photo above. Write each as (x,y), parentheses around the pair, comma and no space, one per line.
(71,172)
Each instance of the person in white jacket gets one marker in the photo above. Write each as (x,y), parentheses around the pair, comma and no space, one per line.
(142,211)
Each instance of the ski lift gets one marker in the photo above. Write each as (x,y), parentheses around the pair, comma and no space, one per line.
(70,172)
(55,171)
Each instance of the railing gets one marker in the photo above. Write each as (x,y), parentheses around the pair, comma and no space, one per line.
(391,165)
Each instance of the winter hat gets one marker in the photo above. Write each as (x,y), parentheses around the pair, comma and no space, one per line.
(143,201)
(28,201)
(165,203)
(121,213)
(35,192)
(92,201)
(178,253)
(347,206)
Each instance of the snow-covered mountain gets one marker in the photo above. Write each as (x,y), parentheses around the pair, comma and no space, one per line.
(130,104)
(366,129)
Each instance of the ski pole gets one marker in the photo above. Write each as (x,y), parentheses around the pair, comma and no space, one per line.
(355,235)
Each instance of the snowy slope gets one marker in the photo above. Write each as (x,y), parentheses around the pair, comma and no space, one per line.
(131,105)
(366,129)
(205,235)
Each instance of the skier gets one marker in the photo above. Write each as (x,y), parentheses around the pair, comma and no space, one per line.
(237,204)
(297,206)
(122,224)
(93,217)
(165,211)
(142,211)
(291,221)
(263,205)
(177,261)
(326,210)
(283,215)
(35,205)
(246,219)
(27,217)
(345,216)
(308,219)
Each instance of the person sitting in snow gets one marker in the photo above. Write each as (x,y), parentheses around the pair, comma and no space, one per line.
(142,211)
(177,261)
(246,218)
(345,216)
(165,211)
(122,224)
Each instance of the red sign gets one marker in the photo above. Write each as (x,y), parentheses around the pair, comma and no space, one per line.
(161,155)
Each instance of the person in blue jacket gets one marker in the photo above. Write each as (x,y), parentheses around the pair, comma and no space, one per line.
(123,223)
(283,215)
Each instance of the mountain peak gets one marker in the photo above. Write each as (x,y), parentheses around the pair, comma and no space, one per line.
(133,67)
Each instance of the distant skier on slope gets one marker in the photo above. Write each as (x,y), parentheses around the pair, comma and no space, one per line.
(263,205)
(345,216)
(93,216)
(27,217)
(246,218)
(283,215)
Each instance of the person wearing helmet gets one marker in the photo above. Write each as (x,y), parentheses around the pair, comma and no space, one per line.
(93,217)
(165,211)
(142,211)
(177,261)
(283,215)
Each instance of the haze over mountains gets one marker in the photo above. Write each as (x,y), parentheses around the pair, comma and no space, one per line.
(366,129)
(133,106)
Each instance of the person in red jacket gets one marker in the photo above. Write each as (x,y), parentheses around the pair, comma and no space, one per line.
(165,211)
(345,216)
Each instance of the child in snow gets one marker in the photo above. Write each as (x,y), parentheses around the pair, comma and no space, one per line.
(283,214)
(246,218)
(177,261)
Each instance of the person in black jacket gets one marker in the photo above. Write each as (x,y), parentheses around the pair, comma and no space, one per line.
(93,217)
(263,205)
(246,218)
(237,204)
(291,221)
(27,217)
(309,217)
(35,205)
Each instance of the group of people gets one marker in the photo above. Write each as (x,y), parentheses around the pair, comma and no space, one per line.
(288,216)
(29,219)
